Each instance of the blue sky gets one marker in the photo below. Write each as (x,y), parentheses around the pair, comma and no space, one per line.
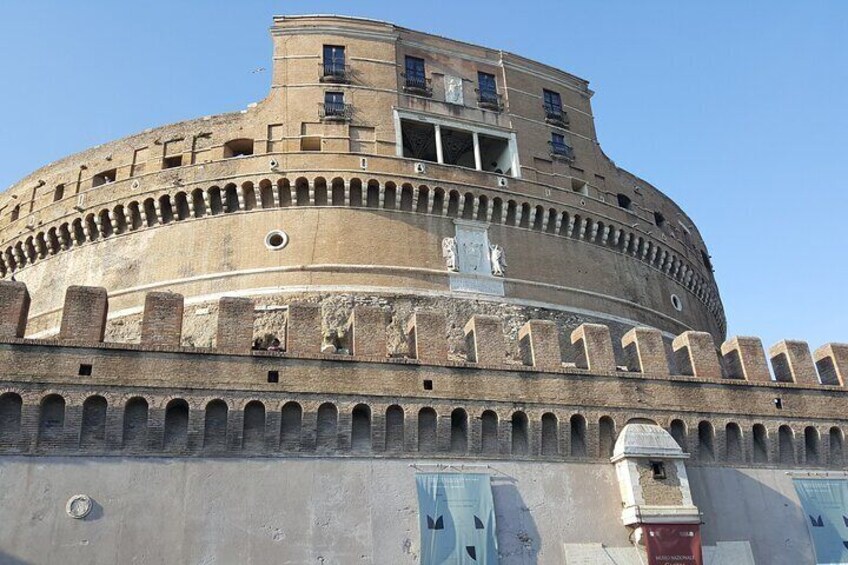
(737,110)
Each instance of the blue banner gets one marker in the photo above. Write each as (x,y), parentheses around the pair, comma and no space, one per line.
(457,519)
(825,504)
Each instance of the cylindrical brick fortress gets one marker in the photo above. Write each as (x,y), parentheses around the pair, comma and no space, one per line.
(385,165)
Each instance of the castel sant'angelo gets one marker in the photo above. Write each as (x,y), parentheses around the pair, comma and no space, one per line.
(243,338)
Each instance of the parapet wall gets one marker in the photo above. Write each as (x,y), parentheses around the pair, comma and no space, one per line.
(337,392)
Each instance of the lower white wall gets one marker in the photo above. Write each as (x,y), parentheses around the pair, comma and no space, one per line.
(343,511)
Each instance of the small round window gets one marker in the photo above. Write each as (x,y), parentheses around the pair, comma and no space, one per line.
(276,240)
(676,302)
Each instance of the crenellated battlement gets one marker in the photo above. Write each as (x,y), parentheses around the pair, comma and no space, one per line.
(336,392)
(364,336)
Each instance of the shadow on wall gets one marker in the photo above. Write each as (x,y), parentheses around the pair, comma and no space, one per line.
(754,505)
(7,559)
(518,538)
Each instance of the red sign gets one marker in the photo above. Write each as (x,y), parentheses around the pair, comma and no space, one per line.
(673,544)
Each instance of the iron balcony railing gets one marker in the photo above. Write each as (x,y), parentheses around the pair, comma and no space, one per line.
(562,151)
(335,111)
(556,116)
(489,100)
(416,84)
(335,72)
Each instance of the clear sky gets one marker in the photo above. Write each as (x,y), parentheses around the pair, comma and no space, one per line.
(736,110)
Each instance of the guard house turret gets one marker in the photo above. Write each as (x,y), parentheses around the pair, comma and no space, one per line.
(652,478)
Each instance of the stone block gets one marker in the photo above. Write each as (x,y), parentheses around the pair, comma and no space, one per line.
(162,324)
(235,325)
(832,363)
(426,334)
(744,358)
(303,329)
(84,314)
(792,362)
(644,351)
(594,347)
(14,309)
(367,330)
(539,342)
(485,340)
(696,355)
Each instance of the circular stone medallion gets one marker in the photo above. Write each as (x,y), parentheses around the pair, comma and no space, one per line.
(79,506)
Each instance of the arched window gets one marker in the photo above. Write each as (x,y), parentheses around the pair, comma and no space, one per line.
(284,193)
(373,194)
(328,421)
(266,194)
(150,213)
(165,209)
(426,430)
(733,442)
(181,204)
(216,203)
(93,428)
(198,205)
(678,432)
(489,432)
(520,442)
(606,436)
(135,423)
(760,444)
(390,196)
(423,199)
(438,201)
(497,210)
(320,191)
(356,193)
(525,216)
(453,204)
(786,445)
(231,199)
(578,436)
(215,425)
(468,206)
(550,434)
(249,196)
(176,425)
(51,418)
(291,421)
(253,436)
(338,192)
(706,442)
(836,457)
(360,428)
(811,445)
(394,428)
(459,431)
(10,413)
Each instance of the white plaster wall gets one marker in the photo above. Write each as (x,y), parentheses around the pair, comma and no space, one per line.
(344,511)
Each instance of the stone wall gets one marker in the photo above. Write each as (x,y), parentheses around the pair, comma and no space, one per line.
(334,511)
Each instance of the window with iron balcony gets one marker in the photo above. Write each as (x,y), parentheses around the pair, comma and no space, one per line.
(334,107)
(333,66)
(488,97)
(552,103)
(415,79)
(560,149)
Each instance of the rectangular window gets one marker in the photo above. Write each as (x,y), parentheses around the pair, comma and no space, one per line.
(334,106)
(553,103)
(415,74)
(487,91)
(334,62)
(559,147)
